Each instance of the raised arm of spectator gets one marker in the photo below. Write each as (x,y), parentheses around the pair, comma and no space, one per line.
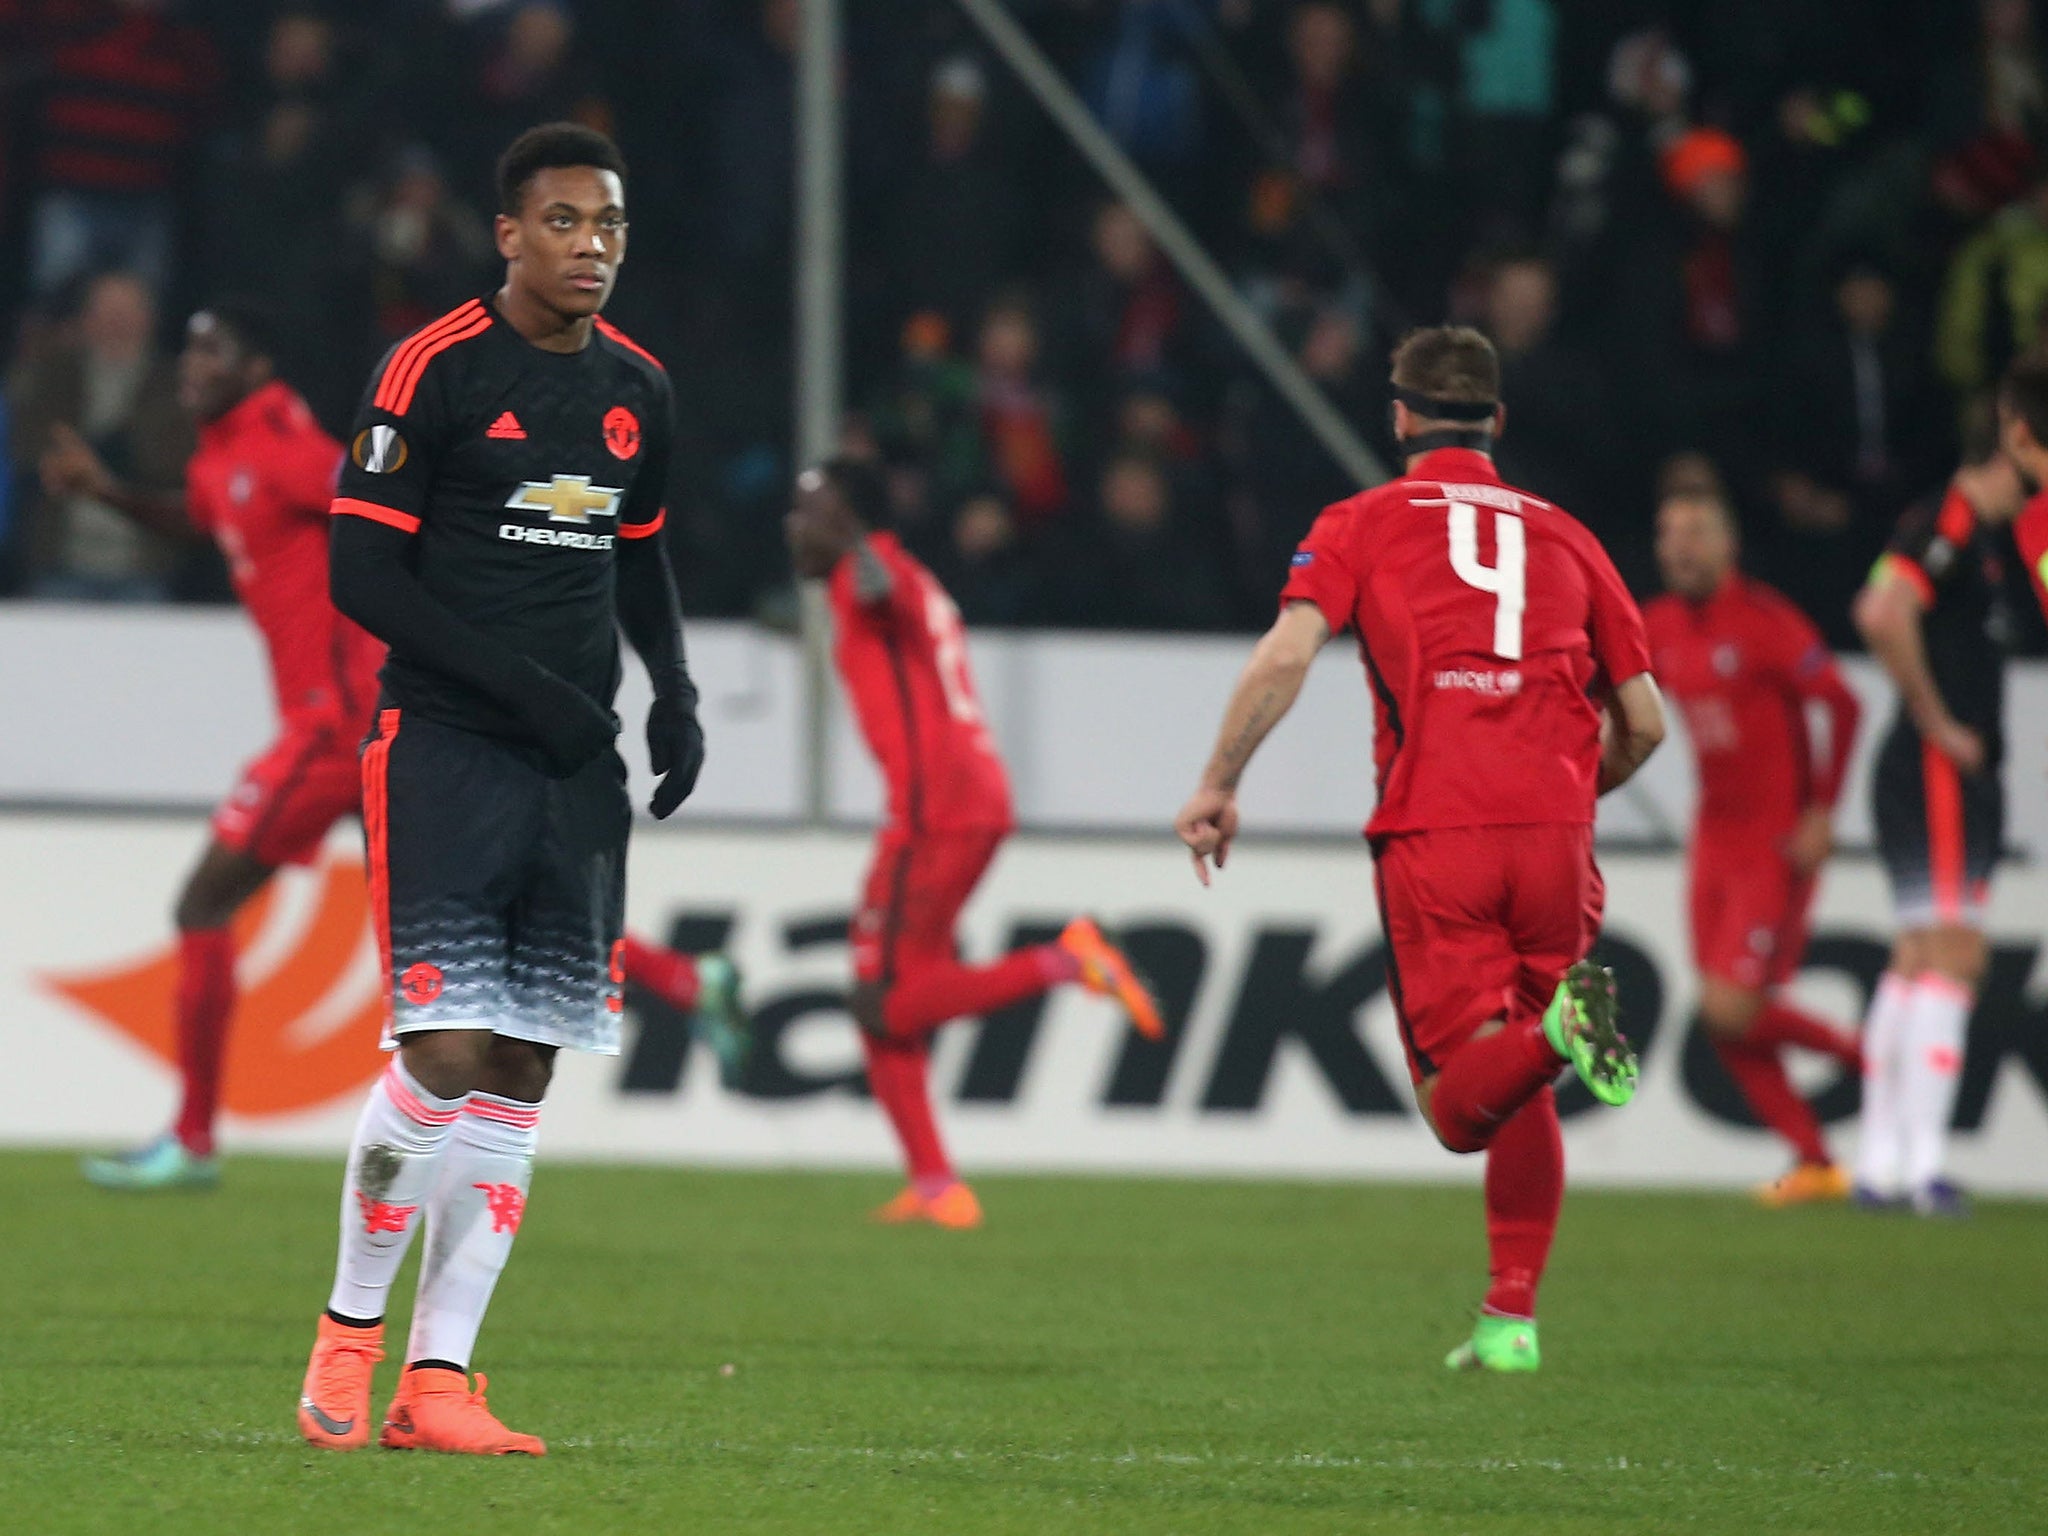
(69,467)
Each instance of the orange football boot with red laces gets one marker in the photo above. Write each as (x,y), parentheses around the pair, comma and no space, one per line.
(334,1404)
(953,1207)
(436,1411)
(1107,973)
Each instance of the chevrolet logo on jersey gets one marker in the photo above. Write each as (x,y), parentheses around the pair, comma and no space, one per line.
(566,499)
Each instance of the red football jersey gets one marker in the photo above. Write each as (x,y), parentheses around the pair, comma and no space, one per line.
(2030,531)
(1742,666)
(1485,617)
(260,484)
(903,657)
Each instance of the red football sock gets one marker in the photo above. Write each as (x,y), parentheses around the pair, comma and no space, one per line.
(929,995)
(1779,1023)
(897,1074)
(1761,1076)
(668,975)
(206,1003)
(1487,1079)
(1524,1190)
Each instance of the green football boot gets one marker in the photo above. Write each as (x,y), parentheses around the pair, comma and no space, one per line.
(1505,1344)
(1580,1027)
(720,1018)
(164,1164)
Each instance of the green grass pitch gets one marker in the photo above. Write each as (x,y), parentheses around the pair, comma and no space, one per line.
(1107,1356)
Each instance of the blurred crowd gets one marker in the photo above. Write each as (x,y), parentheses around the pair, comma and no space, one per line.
(1782,243)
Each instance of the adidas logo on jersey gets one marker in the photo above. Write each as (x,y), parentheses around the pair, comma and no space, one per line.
(507,428)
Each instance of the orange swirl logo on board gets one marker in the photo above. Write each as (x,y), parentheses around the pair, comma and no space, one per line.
(311,1003)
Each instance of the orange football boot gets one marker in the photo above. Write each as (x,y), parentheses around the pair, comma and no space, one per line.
(334,1404)
(436,1411)
(953,1207)
(907,1206)
(1106,973)
(1806,1184)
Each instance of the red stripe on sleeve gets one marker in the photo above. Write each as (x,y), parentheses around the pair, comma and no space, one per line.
(401,360)
(644,530)
(390,517)
(605,327)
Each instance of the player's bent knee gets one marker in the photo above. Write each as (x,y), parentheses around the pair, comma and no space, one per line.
(517,1069)
(1727,1011)
(448,1063)
(1425,1095)
(865,1004)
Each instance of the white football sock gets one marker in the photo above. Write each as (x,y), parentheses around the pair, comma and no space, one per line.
(1880,1139)
(391,1162)
(472,1216)
(1936,1026)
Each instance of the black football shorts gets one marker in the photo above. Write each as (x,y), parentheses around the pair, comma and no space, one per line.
(498,892)
(1939,831)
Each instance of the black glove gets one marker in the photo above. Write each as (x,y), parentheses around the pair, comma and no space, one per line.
(675,746)
(571,727)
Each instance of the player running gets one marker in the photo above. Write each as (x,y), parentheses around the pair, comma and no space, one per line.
(259,485)
(496,526)
(902,655)
(1744,666)
(1488,621)
(1934,614)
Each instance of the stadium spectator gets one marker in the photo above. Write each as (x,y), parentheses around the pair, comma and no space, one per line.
(955,224)
(1856,450)
(1146,91)
(1020,417)
(1126,314)
(413,250)
(1684,314)
(1993,296)
(1138,562)
(127,91)
(1987,110)
(1557,447)
(105,377)
(295,138)
(1283,475)
(986,568)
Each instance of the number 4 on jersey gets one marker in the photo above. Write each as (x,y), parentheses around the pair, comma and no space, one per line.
(1506,578)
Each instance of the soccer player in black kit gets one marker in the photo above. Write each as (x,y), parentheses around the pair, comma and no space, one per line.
(496,526)
(1936,615)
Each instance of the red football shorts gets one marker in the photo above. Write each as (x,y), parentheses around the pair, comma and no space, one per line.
(1481,924)
(305,781)
(1750,913)
(915,890)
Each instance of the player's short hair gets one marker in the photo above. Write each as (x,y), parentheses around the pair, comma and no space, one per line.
(551,147)
(863,486)
(2024,392)
(255,326)
(1452,368)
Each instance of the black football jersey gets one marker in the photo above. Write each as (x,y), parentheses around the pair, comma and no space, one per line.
(1957,563)
(517,470)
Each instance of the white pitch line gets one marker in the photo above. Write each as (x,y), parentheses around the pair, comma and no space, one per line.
(1307,1461)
